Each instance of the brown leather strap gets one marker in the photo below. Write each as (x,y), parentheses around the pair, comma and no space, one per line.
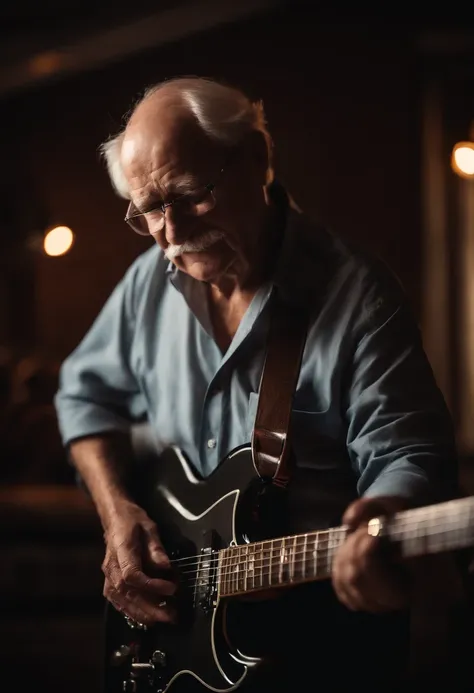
(271,447)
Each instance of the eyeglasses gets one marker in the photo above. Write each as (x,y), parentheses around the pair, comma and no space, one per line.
(195,204)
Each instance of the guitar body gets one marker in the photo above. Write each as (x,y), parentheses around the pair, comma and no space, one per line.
(196,518)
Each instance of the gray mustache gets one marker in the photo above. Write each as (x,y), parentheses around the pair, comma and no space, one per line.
(195,246)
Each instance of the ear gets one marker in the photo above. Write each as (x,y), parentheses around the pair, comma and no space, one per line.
(257,152)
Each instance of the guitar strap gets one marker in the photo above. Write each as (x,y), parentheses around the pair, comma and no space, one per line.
(271,444)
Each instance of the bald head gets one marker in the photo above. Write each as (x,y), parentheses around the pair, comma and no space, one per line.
(162,110)
(161,126)
(224,115)
(164,141)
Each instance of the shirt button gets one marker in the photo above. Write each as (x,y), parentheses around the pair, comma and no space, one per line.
(211,443)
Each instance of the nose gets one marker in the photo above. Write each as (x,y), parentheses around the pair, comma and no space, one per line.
(177,226)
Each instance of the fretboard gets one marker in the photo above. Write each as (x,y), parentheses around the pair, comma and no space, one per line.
(308,557)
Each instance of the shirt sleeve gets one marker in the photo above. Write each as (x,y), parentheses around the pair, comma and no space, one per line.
(400,433)
(98,391)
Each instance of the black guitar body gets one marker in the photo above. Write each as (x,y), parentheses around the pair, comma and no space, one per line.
(196,518)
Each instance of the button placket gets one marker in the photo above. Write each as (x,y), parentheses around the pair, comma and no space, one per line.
(211,426)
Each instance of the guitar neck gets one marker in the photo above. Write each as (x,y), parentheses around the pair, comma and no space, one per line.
(308,557)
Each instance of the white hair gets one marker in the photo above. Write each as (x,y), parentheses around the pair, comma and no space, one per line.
(224,113)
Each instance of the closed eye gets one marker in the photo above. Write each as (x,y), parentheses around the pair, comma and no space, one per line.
(146,209)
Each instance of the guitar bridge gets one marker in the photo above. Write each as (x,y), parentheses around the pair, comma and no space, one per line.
(205,593)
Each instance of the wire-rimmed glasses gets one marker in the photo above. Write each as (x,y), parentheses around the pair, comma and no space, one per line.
(195,203)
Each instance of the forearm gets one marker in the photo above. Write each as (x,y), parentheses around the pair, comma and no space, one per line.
(103,463)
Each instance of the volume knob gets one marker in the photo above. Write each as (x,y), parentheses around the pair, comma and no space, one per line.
(121,655)
(158,658)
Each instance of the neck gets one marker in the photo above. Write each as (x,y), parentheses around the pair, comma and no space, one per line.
(300,558)
(255,267)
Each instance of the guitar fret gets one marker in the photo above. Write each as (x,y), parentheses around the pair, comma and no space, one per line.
(271,576)
(282,561)
(252,564)
(219,585)
(276,549)
(258,565)
(334,544)
(232,572)
(299,572)
(328,554)
(246,566)
(334,539)
(267,561)
(265,565)
(222,576)
(222,572)
(226,571)
(235,571)
(292,559)
(239,571)
(325,548)
(305,550)
(315,554)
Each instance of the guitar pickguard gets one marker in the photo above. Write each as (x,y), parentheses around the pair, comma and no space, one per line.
(196,518)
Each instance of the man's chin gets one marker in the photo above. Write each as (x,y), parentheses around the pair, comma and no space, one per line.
(203,266)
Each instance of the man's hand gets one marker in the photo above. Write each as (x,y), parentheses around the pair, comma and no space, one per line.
(363,577)
(134,557)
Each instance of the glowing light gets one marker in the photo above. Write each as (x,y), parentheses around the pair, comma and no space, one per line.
(462,159)
(58,241)
(46,63)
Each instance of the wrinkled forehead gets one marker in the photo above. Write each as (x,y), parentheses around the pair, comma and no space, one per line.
(163,141)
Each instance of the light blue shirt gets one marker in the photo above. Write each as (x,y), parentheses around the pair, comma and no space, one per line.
(366,403)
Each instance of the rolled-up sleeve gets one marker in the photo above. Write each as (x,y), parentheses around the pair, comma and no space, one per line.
(400,434)
(98,392)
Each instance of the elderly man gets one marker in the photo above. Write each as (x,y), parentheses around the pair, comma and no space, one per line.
(181,343)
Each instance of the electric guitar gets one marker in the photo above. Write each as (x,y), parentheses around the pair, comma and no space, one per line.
(214,533)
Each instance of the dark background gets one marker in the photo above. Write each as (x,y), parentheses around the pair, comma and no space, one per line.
(364,109)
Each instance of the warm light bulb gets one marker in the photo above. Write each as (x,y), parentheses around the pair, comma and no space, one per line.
(58,241)
(462,159)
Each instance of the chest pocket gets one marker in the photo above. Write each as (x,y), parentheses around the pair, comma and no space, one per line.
(318,437)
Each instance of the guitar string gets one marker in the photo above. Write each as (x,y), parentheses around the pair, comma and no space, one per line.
(234,551)
(223,575)
(231,568)
(233,580)
(229,575)
(258,562)
(234,567)
(399,526)
(188,561)
(259,543)
(258,558)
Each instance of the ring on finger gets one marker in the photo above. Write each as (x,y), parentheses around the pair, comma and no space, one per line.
(135,625)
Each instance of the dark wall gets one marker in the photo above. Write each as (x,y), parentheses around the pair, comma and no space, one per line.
(342,105)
